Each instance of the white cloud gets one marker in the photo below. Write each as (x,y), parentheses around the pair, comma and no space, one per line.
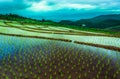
(109,6)
(61,5)
(77,6)
(43,6)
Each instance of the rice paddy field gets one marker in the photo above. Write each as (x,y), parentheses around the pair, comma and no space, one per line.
(48,52)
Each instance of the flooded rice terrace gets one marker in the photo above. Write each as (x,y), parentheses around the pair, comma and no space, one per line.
(30,58)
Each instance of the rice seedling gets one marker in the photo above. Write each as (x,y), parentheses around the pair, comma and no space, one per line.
(31,58)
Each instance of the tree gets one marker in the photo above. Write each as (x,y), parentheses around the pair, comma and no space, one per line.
(43,20)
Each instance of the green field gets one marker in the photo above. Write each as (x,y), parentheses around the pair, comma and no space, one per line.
(34,51)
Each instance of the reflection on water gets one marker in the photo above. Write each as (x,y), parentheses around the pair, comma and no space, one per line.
(11,45)
(25,55)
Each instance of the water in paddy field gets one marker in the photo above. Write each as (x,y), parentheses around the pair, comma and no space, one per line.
(15,46)
(11,45)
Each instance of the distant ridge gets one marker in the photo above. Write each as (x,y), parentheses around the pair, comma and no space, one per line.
(106,17)
(102,21)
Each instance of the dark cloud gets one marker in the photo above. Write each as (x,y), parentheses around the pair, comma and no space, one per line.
(15,5)
(51,3)
(12,5)
(60,9)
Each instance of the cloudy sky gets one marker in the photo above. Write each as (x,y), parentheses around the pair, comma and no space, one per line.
(60,9)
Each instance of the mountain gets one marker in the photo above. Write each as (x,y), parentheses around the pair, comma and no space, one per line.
(106,17)
(102,21)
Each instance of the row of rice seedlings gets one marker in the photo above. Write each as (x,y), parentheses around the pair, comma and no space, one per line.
(56,60)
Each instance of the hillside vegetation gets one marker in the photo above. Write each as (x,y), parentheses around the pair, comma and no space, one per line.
(101,22)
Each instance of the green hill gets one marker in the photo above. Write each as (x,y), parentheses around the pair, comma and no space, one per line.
(102,21)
